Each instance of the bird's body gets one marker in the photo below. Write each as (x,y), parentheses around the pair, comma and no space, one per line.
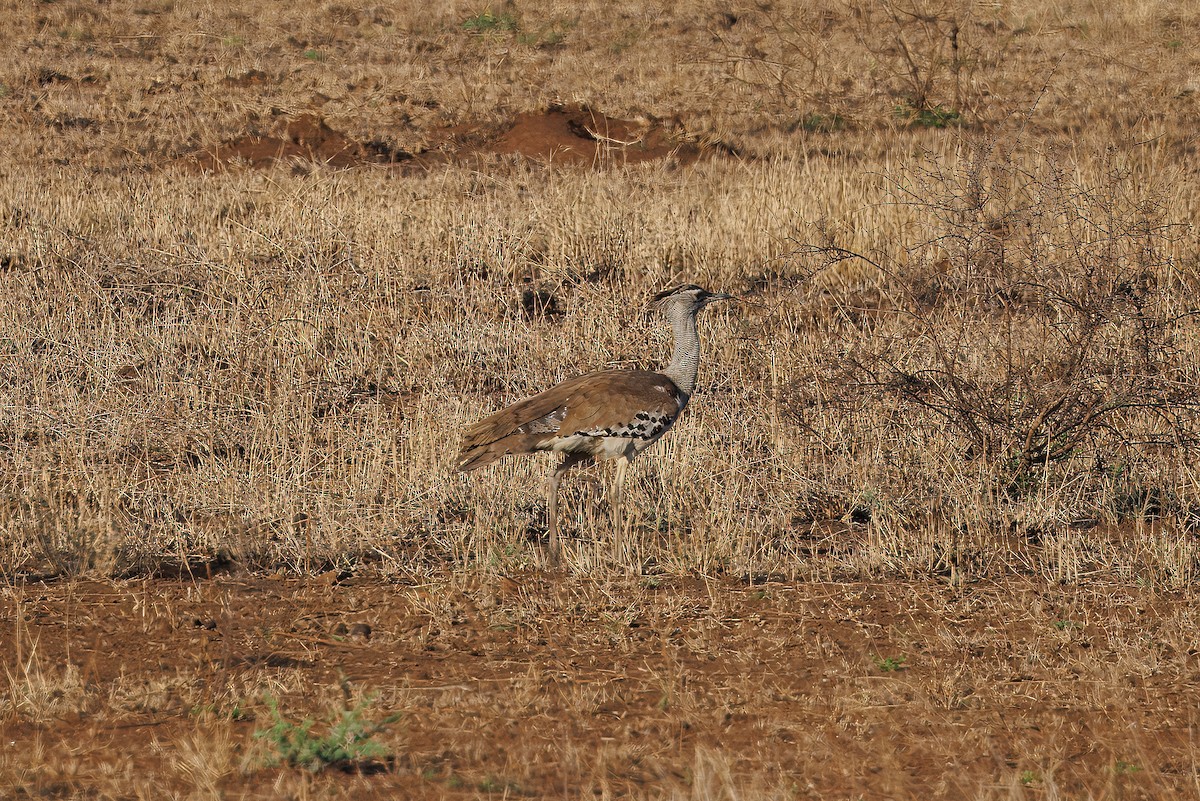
(608,414)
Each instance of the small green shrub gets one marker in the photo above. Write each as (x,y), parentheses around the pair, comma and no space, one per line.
(487,22)
(549,37)
(890,664)
(925,117)
(345,740)
(821,123)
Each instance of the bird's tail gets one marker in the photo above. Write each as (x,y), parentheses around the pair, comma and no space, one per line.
(482,455)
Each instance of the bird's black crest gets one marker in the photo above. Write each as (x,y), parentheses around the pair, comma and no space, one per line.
(666,293)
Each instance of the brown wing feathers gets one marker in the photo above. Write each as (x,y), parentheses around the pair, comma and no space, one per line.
(482,455)
(616,398)
(500,433)
(597,403)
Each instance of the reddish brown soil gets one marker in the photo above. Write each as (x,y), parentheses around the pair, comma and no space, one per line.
(560,687)
(580,136)
(563,135)
(306,137)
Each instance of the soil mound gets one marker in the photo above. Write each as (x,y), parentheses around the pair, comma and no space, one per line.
(562,135)
(580,136)
(306,137)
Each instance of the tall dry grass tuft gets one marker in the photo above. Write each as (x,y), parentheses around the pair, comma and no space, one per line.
(1024,362)
(272,371)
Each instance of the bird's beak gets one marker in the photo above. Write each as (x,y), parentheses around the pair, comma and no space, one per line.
(715,296)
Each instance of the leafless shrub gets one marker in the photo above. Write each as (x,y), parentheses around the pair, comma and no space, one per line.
(1037,323)
(782,54)
(922,53)
(923,47)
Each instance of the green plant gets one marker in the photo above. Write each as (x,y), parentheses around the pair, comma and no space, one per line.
(487,22)
(821,123)
(345,739)
(314,55)
(494,784)
(1030,777)
(926,117)
(890,664)
(551,37)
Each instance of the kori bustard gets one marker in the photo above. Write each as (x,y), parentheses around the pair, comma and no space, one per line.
(608,414)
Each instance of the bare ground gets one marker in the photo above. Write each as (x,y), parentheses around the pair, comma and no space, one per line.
(551,686)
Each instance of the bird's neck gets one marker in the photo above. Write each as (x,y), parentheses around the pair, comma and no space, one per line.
(685,361)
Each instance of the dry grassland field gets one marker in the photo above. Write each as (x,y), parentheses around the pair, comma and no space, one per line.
(930,528)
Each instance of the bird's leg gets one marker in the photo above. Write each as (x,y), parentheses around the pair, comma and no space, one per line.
(614,505)
(569,461)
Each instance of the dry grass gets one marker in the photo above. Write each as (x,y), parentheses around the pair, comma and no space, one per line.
(966,359)
(284,388)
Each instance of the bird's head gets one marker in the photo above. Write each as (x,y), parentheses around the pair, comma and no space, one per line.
(687,298)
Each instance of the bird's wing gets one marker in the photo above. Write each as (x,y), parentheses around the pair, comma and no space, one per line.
(618,403)
(533,415)
(637,404)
